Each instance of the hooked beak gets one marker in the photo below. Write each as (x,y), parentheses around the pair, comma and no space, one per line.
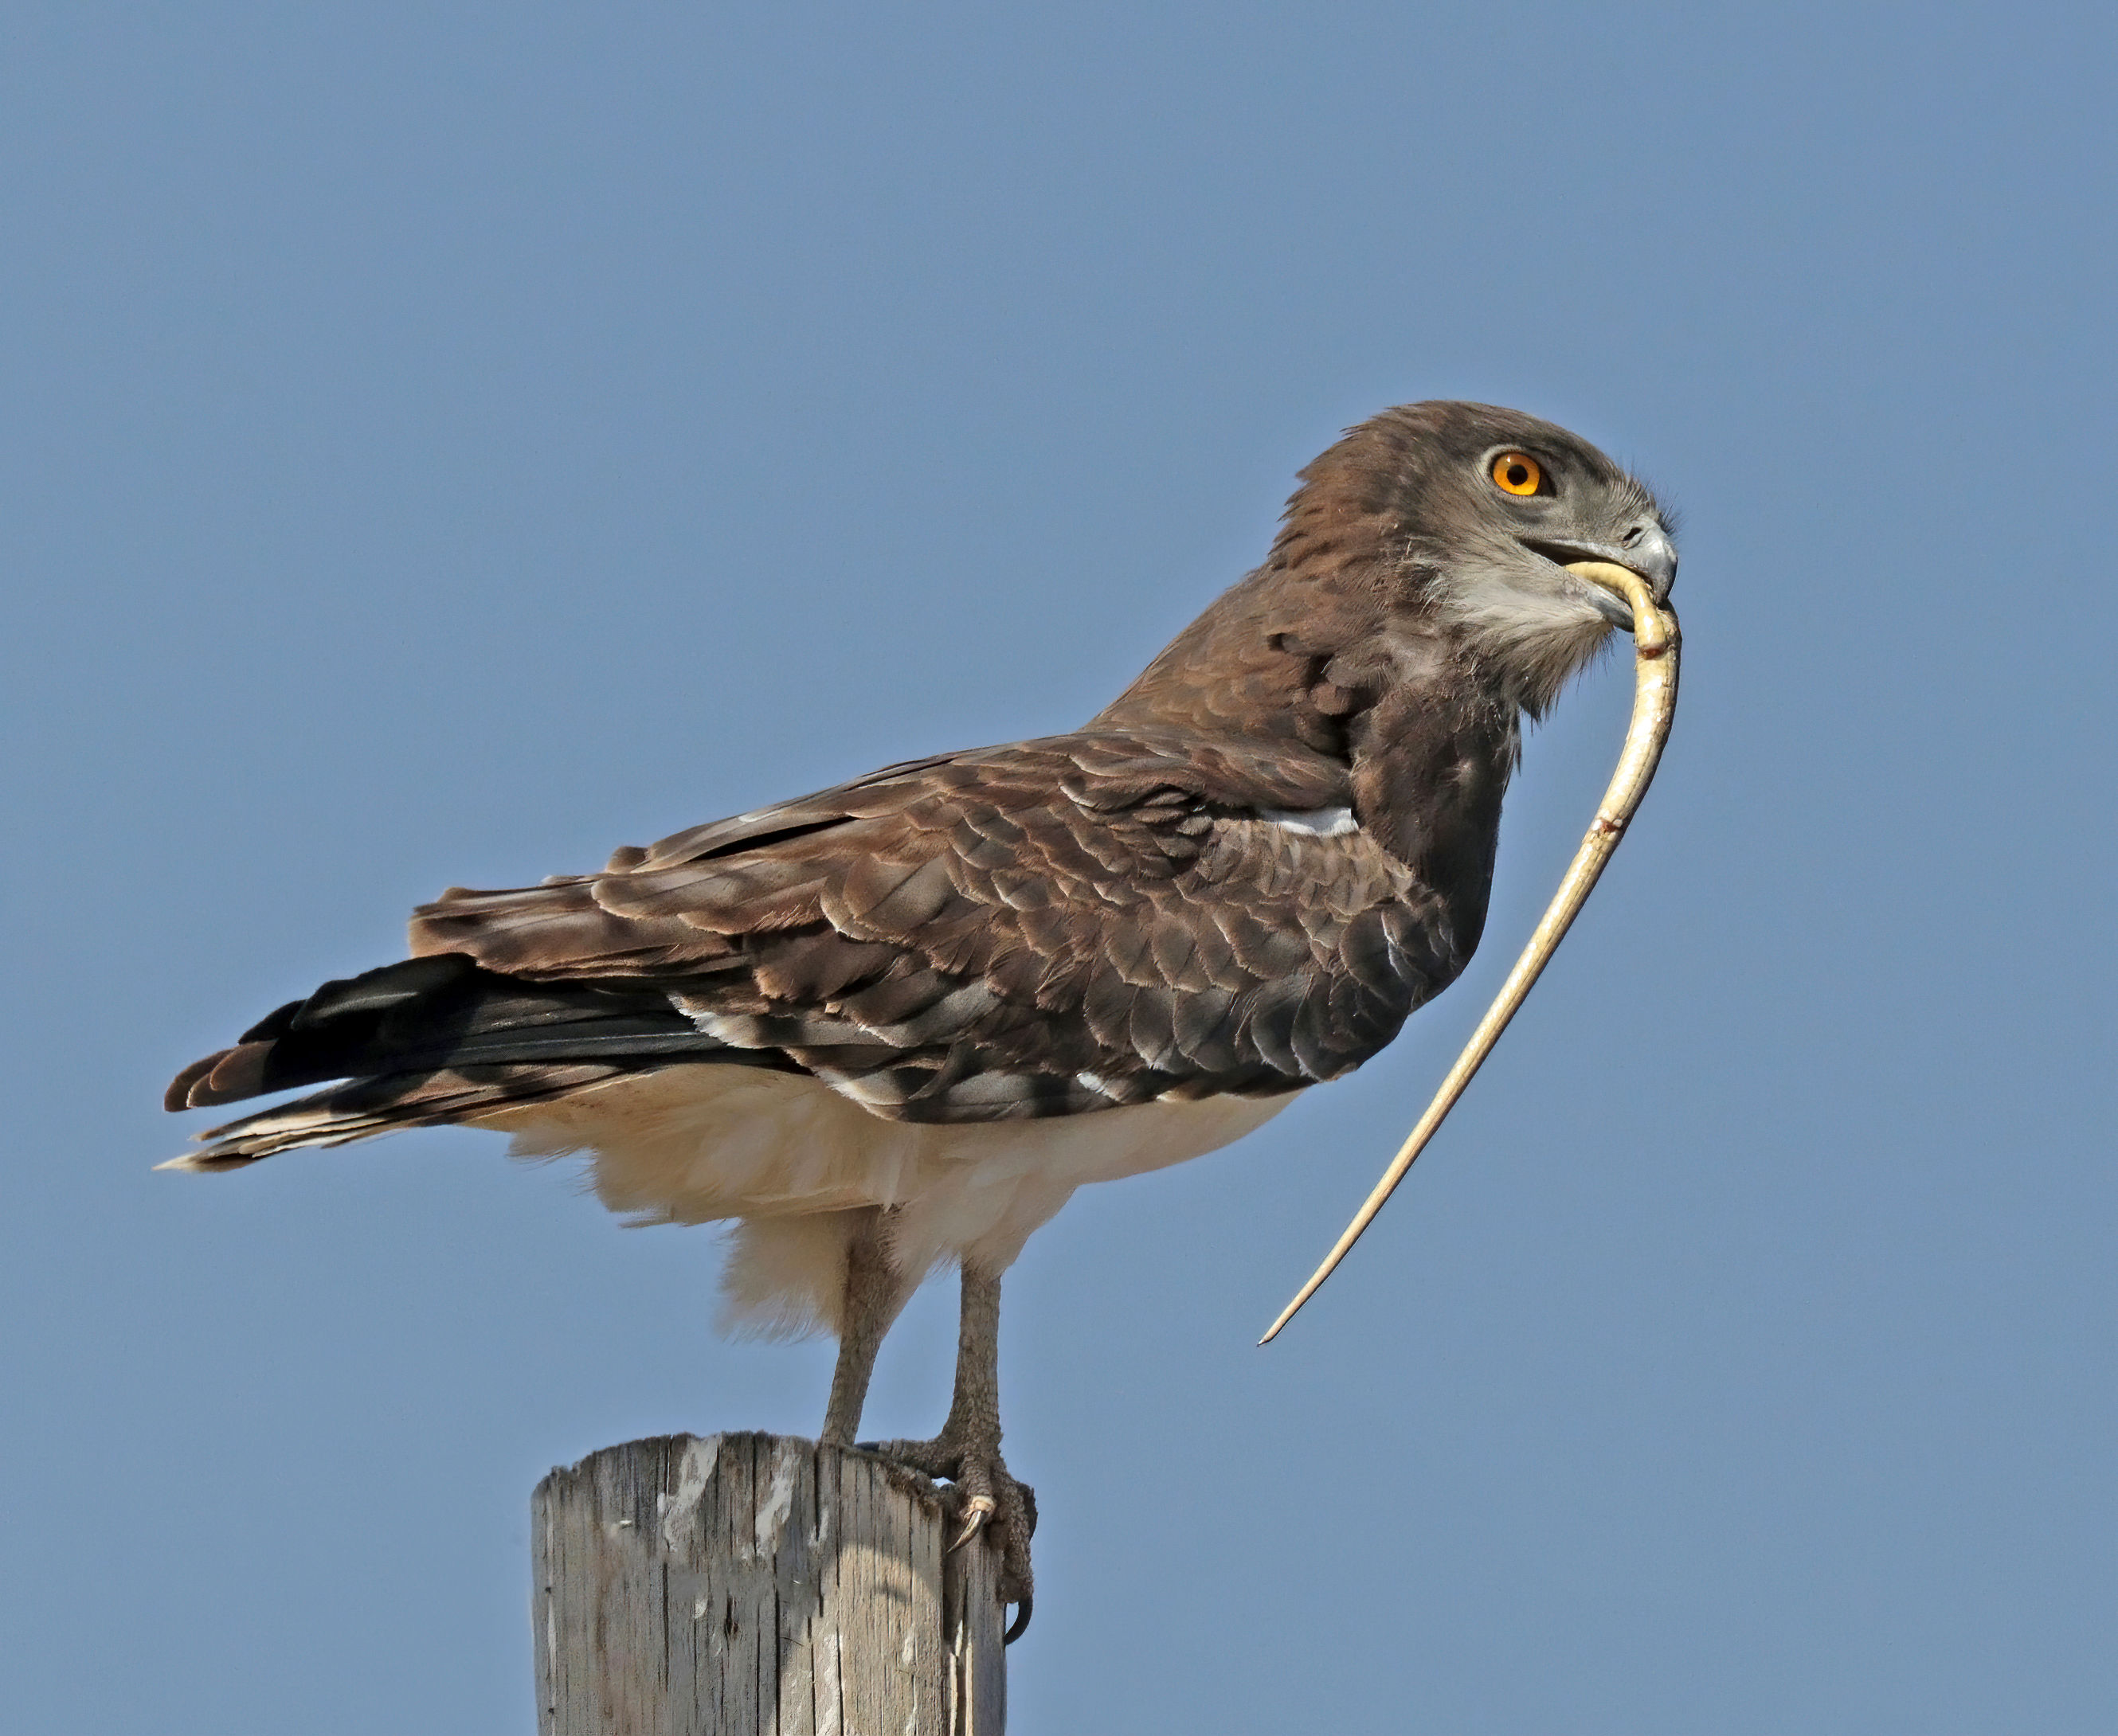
(1645,550)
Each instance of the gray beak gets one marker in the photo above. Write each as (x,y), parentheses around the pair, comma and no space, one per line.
(1612,606)
(1645,549)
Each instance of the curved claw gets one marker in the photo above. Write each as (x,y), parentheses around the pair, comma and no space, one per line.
(991,1501)
(976,1511)
(1020,1625)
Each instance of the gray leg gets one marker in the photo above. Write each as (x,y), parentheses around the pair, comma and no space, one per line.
(967,1451)
(876,1293)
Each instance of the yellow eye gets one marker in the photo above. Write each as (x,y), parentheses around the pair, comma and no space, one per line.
(1518,473)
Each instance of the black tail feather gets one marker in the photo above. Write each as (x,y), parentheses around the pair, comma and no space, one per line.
(436,1013)
(363,1108)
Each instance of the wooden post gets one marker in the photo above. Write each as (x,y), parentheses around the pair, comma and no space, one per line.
(752,1585)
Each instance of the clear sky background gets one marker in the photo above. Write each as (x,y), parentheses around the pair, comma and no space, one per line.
(443,442)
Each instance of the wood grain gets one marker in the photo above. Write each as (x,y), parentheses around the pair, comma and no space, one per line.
(754,1585)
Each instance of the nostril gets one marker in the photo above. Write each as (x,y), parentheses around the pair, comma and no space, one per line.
(1632,536)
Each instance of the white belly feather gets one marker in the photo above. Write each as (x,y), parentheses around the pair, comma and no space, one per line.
(791,1158)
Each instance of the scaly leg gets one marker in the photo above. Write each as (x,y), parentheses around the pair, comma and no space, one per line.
(967,1451)
(876,1293)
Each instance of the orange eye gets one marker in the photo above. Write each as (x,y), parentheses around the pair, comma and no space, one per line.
(1518,473)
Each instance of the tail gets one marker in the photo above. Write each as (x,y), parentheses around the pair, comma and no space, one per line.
(432,1040)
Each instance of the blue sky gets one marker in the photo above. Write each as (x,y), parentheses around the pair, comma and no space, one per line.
(445,442)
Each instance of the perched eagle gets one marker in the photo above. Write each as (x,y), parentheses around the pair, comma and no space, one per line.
(893,1026)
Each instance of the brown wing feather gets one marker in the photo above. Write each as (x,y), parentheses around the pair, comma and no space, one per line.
(1050,927)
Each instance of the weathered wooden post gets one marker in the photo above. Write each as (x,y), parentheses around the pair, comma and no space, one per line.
(753,1585)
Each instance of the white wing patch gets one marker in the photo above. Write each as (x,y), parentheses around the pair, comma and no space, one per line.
(1314,822)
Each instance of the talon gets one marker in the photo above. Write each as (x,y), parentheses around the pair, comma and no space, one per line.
(976,1511)
(985,1499)
(1020,1625)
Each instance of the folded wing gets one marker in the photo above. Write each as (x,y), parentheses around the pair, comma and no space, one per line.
(1048,928)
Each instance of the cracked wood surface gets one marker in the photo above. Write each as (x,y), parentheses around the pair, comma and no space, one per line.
(754,1585)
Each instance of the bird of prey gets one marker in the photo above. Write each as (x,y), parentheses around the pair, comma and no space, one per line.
(892,1026)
